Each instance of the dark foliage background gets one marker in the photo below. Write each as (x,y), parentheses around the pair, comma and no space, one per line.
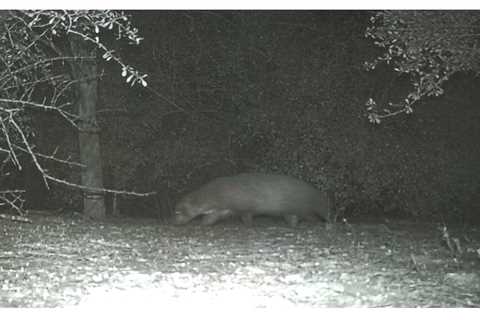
(280,92)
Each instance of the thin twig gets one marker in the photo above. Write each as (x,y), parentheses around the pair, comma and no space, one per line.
(99,190)
(70,117)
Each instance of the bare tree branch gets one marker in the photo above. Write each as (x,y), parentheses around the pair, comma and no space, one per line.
(99,190)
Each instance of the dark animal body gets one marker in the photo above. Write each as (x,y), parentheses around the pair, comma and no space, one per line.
(250,194)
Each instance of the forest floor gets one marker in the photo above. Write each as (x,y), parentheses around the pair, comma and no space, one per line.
(54,261)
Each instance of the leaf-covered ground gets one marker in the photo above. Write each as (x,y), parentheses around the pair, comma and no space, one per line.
(57,261)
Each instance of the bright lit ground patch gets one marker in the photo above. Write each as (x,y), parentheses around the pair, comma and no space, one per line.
(59,262)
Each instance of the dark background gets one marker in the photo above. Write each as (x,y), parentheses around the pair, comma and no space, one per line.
(276,92)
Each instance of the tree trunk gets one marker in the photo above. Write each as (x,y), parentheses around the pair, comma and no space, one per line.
(85,72)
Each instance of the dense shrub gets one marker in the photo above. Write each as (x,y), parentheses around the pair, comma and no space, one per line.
(283,92)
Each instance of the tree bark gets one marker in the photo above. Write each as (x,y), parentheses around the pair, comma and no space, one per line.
(85,72)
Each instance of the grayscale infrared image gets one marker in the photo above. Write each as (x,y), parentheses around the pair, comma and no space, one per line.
(239,159)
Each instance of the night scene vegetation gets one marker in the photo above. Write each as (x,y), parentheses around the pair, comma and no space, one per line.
(268,159)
